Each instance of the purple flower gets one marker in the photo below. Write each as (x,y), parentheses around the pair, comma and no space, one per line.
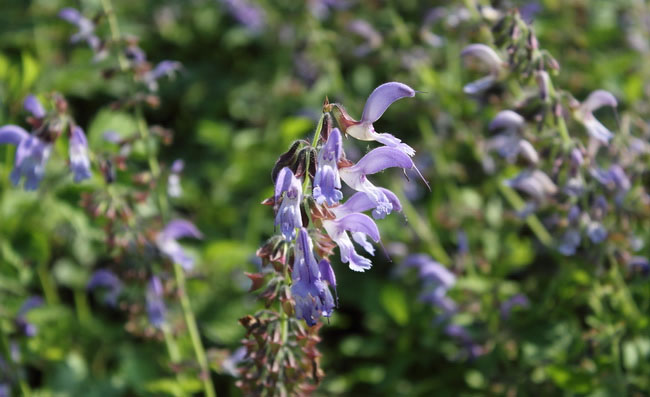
(33,106)
(106,279)
(378,101)
(230,364)
(164,68)
(518,300)
(437,281)
(376,160)
(174,188)
(460,334)
(310,291)
(86,30)
(509,144)
(156,309)
(5,391)
(639,263)
(569,242)
(596,232)
(368,33)
(249,15)
(595,128)
(26,328)
(490,61)
(79,161)
(327,183)
(361,226)
(288,187)
(167,244)
(535,183)
(31,155)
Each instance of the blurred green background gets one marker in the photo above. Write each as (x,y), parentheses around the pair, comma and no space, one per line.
(243,95)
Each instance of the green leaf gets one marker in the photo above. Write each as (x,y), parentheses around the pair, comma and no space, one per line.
(394,302)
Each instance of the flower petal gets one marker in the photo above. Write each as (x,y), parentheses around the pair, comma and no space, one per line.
(506,119)
(598,99)
(484,53)
(359,223)
(382,97)
(179,228)
(70,14)
(33,106)
(12,134)
(381,158)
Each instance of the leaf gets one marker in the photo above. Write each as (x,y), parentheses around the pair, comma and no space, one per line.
(394,302)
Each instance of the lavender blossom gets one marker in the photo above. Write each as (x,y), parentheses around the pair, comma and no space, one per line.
(167,242)
(361,226)
(569,242)
(174,188)
(164,68)
(327,182)
(376,160)
(106,279)
(509,144)
(518,300)
(250,15)
(229,365)
(596,232)
(33,106)
(288,187)
(86,30)
(5,390)
(26,328)
(372,38)
(156,309)
(595,128)
(490,60)
(535,183)
(639,263)
(378,101)
(79,161)
(437,281)
(310,292)
(31,155)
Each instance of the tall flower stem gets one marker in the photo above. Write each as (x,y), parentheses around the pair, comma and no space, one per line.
(49,289)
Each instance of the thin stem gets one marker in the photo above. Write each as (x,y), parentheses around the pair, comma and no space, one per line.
(115,32)
(170,343)
(314,142)
(533,222)
(81,305)
(190,320)
(49,289)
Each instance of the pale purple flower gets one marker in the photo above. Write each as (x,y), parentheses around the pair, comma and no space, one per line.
(33,106)
(164,68)
(5,390)
(78,148)
(534,183)
(509,143)
(595,128)
(378,101)
(639,263)
(289,188)
(156,309)
(248,14)
(309,290)
(361,226)
(86,30)
(31,155)
(490,60)
(460,334)
(573,214)
(103,278)
(327,182)
(518,300)
(596,232)
(576,158)
(26,328)
(363,29)
(375,161)
(230,364)
(167,242)
(174,188)
(321,8)
(437,281)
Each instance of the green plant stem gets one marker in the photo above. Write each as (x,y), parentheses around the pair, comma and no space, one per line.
(49,289)
(81,305)
(314,142)
(115,32)
(170,343)
(533,222)
(193,329)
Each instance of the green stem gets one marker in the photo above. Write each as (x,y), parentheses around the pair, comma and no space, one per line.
(49,289)
(170,343)
(314,142)
(190,320)
(81,305)
(115,32)
(533,222)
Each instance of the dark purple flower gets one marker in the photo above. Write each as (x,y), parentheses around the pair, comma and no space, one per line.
(378,101)
(167,241)
(164,68)
(250,15)
(595,128)
(518,300)
(26,328)
(490,60)
(31,155)
(309,290)
(103,278)
(327,182)
(79,161)
(639,263)
(33,106)
(376,160)
(156,309)
(289,188)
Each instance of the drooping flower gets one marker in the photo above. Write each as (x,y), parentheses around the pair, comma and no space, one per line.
(79,161)
(490,61)
(167,242)
(174,188)
(164,68)
(26,328)
(33,106)
(376,160)
(378,101)
(289,189)
(309,290)
(594,101)
(86,31)
(535,183)
(509,144)
(156,309)
(106,279)
(31,155)
(327,182)
(361,226)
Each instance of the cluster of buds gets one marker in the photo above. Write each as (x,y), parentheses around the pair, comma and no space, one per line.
(312,223)
(572,163)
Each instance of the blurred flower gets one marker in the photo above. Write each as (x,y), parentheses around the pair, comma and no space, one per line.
(31,155)
(252,16)
(106,279)
(327,182)
(490,60)
(595,128)
(375,161)
(509,144)
(437,281)
(5,391)
(174,188)
(378,101)
(596,232)
(25,327)
(164,68)
(460,333)
(33,106)
(86,31)
(320,9)
(79,161)
(156,309)
(533,182)
(569,242)
(167,244)
(288,187)
(639,263)
(518,300)
(367,32)
(229,365)
(310,292)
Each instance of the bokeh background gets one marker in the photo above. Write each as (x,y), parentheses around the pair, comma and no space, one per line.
(253,80)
